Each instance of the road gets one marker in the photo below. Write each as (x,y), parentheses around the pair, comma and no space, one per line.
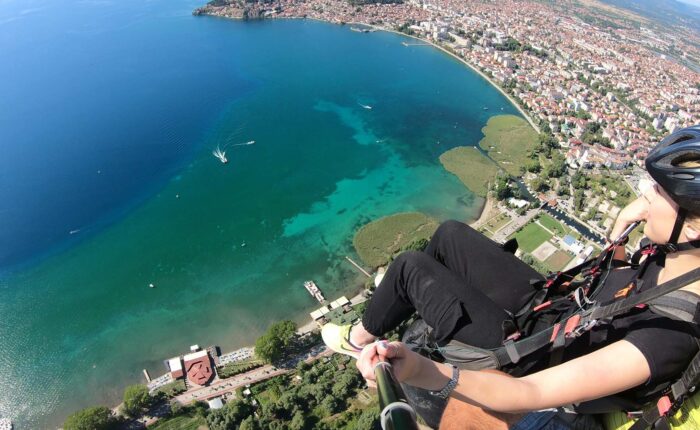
(229,385)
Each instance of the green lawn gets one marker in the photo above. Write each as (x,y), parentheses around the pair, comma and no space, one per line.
(174,388)
(379,240)
(531,236)
(237,367)
(180,423)
(553,225)
(508,139)
(471,167)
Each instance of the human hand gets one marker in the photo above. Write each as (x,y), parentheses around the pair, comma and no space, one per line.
(406,364)
(635,211)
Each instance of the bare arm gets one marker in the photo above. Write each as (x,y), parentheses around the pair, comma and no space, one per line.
(612,369)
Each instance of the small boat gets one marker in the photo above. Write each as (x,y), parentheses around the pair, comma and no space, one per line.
(151,286)
(77,230)
(368,107)
(485,108)
(314,291)
(250,142)
(221,155)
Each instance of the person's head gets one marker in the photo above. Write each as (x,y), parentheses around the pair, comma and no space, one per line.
(674,202)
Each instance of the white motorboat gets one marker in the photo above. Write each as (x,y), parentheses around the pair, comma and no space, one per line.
(221,155)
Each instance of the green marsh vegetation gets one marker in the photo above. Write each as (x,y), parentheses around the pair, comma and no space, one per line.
(508,140)
(379,241)
(471,167)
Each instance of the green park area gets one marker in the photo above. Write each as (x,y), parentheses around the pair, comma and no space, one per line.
(531,236)
(497,222)
(471,167)
(508,139)
(377,242)
(237,367)
(173,389)
(554,226)
(182,422)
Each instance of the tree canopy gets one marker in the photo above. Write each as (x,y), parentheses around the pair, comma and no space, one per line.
(136,400)
(95,418)
(270,346)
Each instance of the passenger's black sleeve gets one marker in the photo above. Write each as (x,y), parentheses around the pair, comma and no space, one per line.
(667,345)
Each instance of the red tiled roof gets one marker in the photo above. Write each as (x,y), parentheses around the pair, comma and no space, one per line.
(199,370)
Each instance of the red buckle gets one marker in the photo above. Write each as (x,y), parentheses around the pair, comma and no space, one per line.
(641,306)
(542,306)
(555,332)
(572,323)
(664,405)
(514,336)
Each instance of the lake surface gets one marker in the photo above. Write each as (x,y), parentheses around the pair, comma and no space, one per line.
(109,111)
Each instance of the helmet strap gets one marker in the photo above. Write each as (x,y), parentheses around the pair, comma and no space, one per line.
(678,226)
(673,245)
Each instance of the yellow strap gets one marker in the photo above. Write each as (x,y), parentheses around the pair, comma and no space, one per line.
(687,418)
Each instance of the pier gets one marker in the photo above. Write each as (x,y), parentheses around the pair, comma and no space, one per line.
(358,266)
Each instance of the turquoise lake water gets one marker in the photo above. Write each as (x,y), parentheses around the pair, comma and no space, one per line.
(109,114)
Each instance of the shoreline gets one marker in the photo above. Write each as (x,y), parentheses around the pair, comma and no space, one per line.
(306,324)
(489,204)
(488,207)
(461,60)
(493,83)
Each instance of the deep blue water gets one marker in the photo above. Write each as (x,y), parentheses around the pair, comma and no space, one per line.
(101,102)
(108,113)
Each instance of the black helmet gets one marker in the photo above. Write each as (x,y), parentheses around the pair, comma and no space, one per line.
(663,164)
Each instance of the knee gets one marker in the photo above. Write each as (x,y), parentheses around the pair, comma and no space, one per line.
(410,259)
(450,229)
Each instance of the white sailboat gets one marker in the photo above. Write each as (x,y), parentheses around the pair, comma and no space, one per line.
(368,107)
(221,155)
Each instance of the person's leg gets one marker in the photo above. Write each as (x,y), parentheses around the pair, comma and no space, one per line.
(415,282)
(483,265)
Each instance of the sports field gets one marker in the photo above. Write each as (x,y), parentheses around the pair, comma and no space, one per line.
(531,236)
(557,261)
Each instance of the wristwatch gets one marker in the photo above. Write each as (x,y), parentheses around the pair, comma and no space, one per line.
(447,390)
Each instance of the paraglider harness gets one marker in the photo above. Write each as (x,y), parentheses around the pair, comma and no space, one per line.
(557,294)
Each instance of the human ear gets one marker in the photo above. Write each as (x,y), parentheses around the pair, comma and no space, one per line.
(692,233)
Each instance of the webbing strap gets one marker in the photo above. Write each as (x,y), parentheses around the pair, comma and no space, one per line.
(618,307)
(576,324)
(689,379)
(656,415)
(678,305)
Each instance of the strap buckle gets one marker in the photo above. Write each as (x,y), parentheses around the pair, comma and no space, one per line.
(669,248)
(664,405)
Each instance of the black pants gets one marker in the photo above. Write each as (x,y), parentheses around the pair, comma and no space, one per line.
(463,285)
